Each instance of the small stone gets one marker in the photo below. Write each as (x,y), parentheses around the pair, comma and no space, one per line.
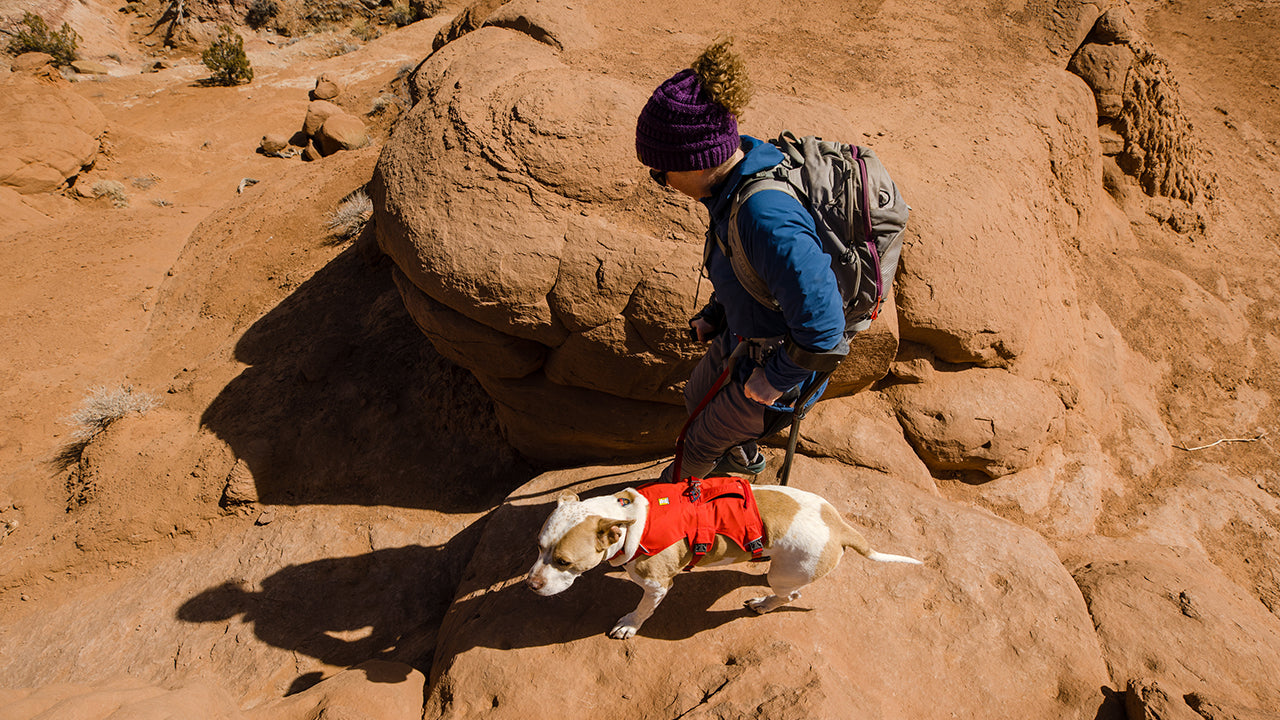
(28,62)
(90,67)
(326,88)
(274,145)
(266,517)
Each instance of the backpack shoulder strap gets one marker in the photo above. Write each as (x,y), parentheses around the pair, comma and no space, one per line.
(732,245)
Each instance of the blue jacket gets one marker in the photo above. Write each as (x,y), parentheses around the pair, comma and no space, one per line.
(779,239)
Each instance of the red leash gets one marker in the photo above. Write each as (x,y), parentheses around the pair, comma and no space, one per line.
(715,388)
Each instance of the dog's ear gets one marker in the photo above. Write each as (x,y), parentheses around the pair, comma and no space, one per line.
(610,531)
(566,498)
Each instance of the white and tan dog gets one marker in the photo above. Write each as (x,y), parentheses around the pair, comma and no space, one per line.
(804,539)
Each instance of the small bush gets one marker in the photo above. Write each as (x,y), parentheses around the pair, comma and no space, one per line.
(226,59)
(365,31)
(407,13)
(427,8)
(260,13)
(401,14)
(385,102)
(337,47)
(106,405)
(34,35)
(113,190)
(353,212)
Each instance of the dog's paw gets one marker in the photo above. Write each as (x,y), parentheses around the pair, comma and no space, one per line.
(625,629)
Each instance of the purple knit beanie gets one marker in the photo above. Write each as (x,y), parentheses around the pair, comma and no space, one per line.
(681,128)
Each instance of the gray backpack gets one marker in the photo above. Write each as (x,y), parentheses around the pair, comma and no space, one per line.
(858,213)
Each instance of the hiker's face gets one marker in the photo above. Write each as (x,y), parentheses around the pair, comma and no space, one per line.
(694,183)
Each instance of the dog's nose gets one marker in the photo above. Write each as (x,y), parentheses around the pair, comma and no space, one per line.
(534,582)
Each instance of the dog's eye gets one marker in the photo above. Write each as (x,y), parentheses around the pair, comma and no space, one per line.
(560,562)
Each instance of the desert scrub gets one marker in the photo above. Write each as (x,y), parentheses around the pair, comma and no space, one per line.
(34,35)
(366,31)
(226,59)
(260,13)
(111,189)
(106,405)
(385,102)
(349,219)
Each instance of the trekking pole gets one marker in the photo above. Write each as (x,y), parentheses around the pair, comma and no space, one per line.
(801,408)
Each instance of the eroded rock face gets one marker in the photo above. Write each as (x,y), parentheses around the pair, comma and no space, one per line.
(1138,96)
(1132,588)
(373,690)
(48,134)
(989,592)
(511,203)
(534,252)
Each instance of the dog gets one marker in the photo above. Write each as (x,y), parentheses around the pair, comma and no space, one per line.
(804,537)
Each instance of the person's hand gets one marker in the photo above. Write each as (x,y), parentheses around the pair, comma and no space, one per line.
(702,329)
(760,390)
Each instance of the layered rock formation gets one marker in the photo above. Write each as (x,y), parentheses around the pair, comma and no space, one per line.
(532,250)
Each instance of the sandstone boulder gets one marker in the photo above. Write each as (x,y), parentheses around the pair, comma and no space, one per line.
(317,112)
(541,228)
(863,431)
(990,593)
(31,62)
(341,132)
(90,67)
(985,420)
(48,135)
(327,87)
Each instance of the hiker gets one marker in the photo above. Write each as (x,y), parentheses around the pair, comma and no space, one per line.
(687,135)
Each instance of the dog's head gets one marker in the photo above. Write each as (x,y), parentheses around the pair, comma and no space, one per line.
(577,536)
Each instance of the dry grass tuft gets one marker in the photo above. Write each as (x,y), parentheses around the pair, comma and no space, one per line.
(352,214)
(113,190)
(106,405)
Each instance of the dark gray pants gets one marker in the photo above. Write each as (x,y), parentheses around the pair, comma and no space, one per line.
(729,423)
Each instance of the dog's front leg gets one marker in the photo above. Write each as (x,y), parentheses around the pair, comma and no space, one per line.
(655,589)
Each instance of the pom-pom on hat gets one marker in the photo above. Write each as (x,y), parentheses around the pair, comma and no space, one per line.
(682,128)
(690,121)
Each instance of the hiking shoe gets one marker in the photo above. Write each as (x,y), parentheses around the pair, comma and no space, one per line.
(729,463)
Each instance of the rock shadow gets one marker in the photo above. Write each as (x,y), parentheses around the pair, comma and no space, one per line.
(384,605)
(345,401)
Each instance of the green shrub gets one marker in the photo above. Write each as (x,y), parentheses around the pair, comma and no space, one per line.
(260,13)
(226,59)
(33,35)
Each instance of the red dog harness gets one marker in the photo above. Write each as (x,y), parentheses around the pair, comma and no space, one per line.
(699,510)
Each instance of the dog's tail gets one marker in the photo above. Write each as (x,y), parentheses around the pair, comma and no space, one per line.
(854,539)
